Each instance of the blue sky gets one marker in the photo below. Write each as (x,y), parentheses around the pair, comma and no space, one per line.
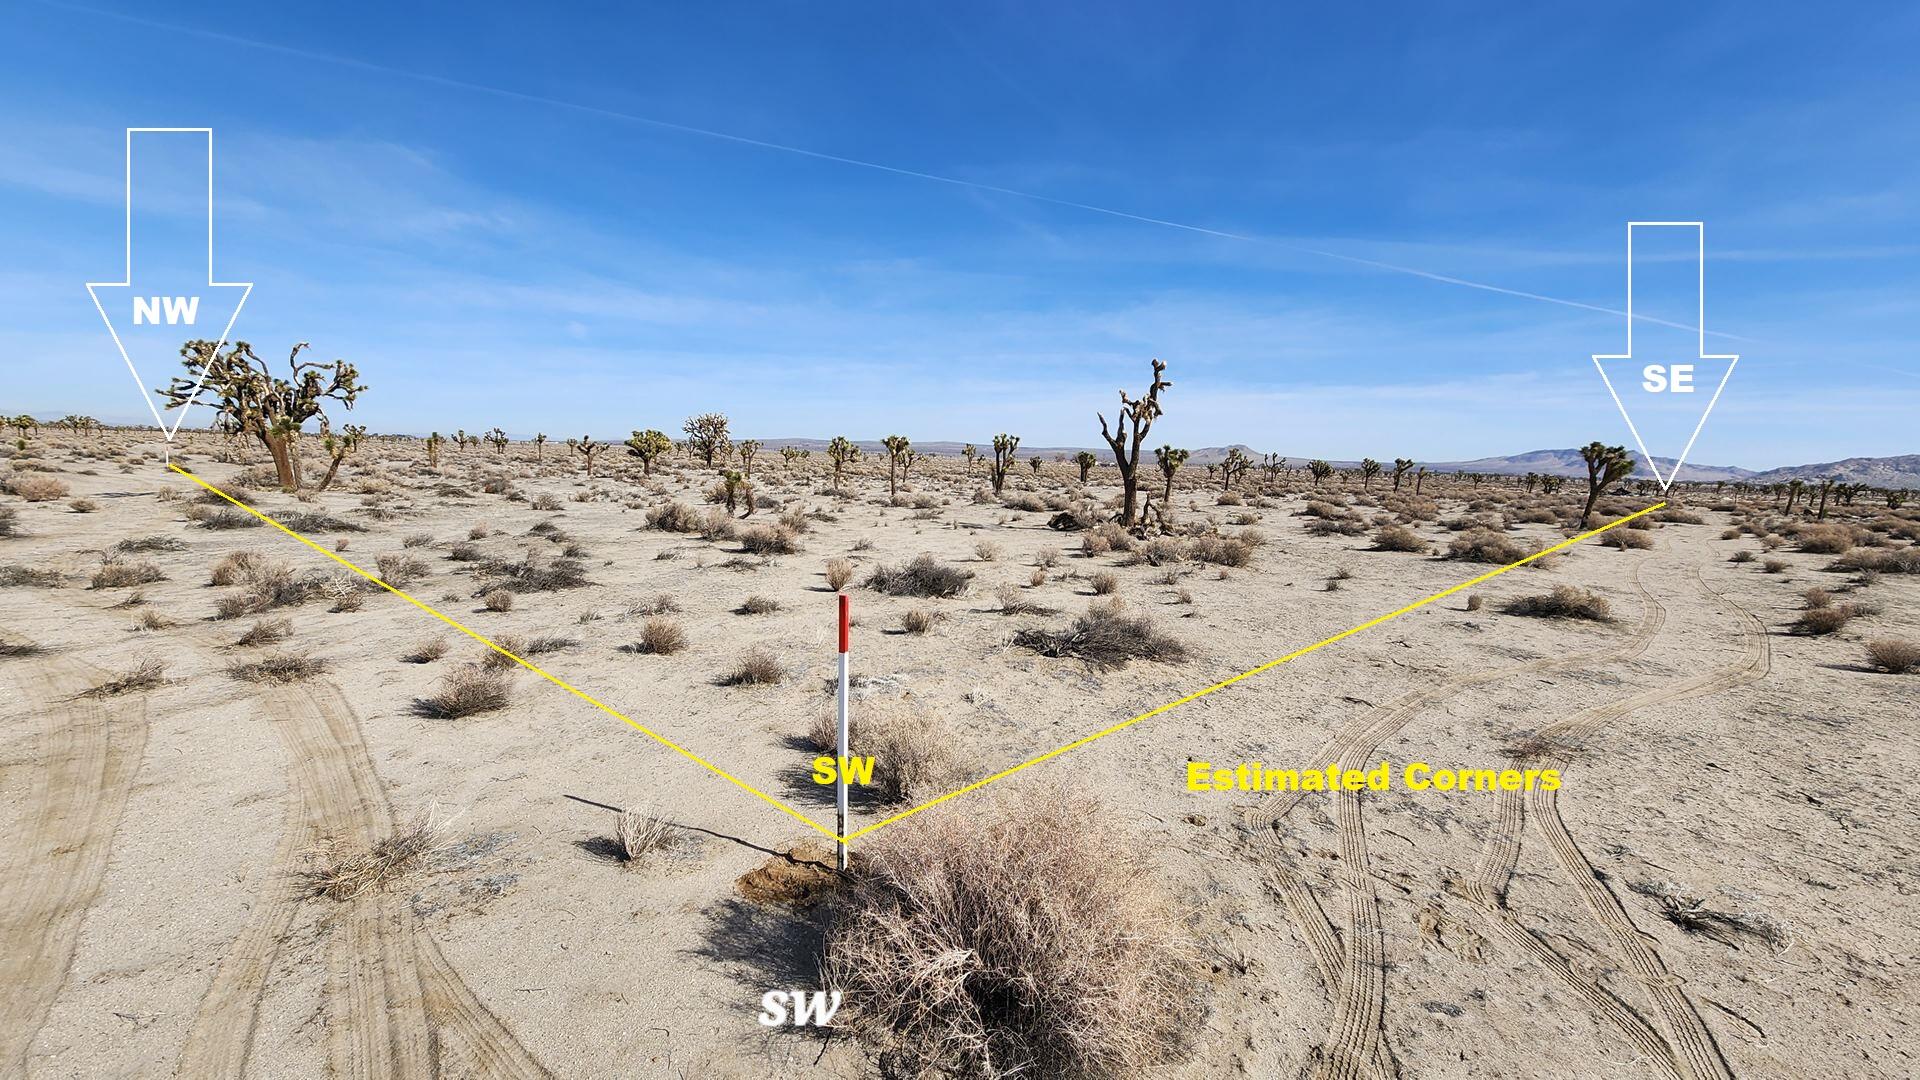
(509,215)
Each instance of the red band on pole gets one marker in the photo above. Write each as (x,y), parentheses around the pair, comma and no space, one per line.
(845,603)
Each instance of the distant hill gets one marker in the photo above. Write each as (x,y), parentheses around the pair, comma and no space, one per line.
(1901,471)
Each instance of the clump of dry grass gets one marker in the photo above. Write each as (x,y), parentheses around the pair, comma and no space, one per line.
(235,568)
(9,521)
(839,573)
(1881,560)
(149,619)
(278,668)
(661,636)
(1224,550)
(1564,602)
(115,574)
(466,691)
(986,550)
(497,600)
(756,667)
(532,574)
(758,605)
(426,652)
(31,576)
(919,620)
(1475,601)
(1740,557)
(1894,655)
(636,834)
(1105,637)
(1820,621)
(1627,539)
(924,576)
(675,517)
(147,673)
(1013,601)
(400,570)
(1031,940)
(342,872)
(1104,583)
(1398,538)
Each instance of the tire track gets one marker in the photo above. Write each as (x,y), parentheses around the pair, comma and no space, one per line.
(1698,1056)
(86,754)
(1356,974)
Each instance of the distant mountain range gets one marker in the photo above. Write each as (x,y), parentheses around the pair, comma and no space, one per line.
(1902,471)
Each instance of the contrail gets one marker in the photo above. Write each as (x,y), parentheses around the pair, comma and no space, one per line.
(820,155)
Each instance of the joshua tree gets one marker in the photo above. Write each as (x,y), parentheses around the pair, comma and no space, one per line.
(1320,470)
(748,448)
(1132,423)
(1529,481)
(1035,462)
(588,449)
(1272,465)
(1794,489)
(1369,469)
(649,446)
(1003,450)
(1550,485)
(539,446)
(25,425)
(498,439)
(1170,461)
(1896,499)
(434,442)
(1085,460)
(1826,485)
(244,392)
(735,485)
(1401,466)
(1419,478)
(841,451)
(969,452)
(897,450)
(707,437)
(791,454)
(1234,467)
(1606,465)
(338,447)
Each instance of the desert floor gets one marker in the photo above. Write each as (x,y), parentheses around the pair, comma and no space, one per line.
(1724,884)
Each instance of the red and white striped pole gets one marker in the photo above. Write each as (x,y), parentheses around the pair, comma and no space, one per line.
(840,785)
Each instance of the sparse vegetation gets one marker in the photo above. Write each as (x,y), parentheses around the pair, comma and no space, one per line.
(924,576)
(1107,636)
(1564,602)
(1895,656)
(756,667)
(278,668)
(466,691)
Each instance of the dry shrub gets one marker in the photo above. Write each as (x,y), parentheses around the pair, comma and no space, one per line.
(1398,538)
(636,834)
(717,525)
(1564,602)
(1161,550)
(1816,598)
(147,673)
(497,600)
(1105,583)
(222,519)
(1740,557)
(986,551)
(1028,940)
(769,540)
(924,576)
(266,632)
(1775,566)
(531,574)
(1881,560)
(674,517)
(1105,637)
(114,574)
(1487,546)
(400,570)
(1825,539)
(1825,620)
(919,620)
(36,488)
(31,576)
(839,573)
(1475,601)
(150,619)
(278,668)
(341,872)
(310,522)
(660,635)
(1224,550)
(1627,539)
(466,691)
(756,667)
(426,652)
(236,568)
(758,605)
(1015,602)
(1894,655)
(9,521)
(83,506)
(661,604)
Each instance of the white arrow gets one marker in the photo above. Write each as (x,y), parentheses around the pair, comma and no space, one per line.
(187,305)
(1700,324)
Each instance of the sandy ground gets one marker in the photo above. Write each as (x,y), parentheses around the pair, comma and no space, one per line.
(155,921)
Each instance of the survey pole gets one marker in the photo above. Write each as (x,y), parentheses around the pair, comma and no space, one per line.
(840,784)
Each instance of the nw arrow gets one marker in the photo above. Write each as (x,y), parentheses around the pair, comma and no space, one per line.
(146,298)
(1700,324)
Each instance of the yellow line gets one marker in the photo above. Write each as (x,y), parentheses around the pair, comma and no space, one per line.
(956,793)
(536,669)
(1248,674)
